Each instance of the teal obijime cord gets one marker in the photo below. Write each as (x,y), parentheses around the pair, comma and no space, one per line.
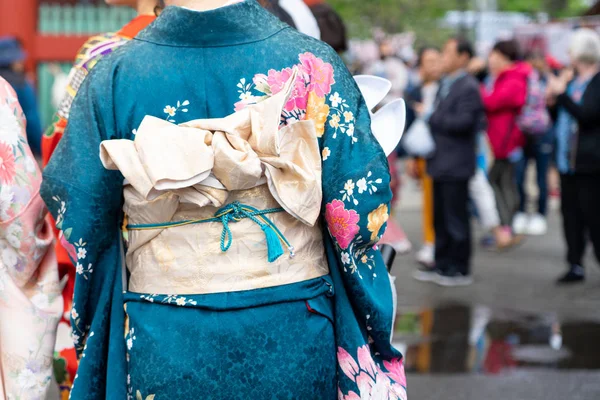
(236,212)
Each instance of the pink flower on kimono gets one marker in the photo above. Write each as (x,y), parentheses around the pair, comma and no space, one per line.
(320,73)
(342,223)
(7,164)
(276,79)
(370,380)
(350,396)
(347,364)
(395,370)
(299,96)
(68,247)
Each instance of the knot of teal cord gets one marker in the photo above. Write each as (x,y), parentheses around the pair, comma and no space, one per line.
(236,212)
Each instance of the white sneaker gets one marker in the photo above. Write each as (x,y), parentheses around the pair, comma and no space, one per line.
(426,256)
(537,225)
(402,246)
(455,280)
(520,223)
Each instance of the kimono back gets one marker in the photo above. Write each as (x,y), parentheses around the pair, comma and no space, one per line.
(191,65)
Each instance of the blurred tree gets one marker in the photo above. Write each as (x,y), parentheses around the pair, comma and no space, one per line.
(555,8)
(422,16)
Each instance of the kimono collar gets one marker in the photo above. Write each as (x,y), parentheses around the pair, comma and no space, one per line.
(239,23)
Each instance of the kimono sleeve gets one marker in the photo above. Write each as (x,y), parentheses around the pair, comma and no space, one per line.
(357,196)
(85,200)
(30,300)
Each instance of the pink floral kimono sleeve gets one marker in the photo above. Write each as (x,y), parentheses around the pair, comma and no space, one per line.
(30,293)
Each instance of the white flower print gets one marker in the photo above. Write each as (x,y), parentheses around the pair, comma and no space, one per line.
(172,111)
(350,131)
(81,253)
(10,128)
(169,299)
(348,192)
(335,99)
(75,337)
(345,258)
(131,338)
(340,110)
(247,97)
(349,187)
(326,153)
(84,271)
(149,298)
(74,313)
(362,185)
(371,188)
(6,200)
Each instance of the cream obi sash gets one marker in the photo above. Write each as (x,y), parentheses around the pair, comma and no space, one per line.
(189,172)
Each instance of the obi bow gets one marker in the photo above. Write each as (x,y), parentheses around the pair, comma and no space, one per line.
(202,160)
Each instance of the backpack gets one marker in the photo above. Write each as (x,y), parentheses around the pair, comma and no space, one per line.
(534,118)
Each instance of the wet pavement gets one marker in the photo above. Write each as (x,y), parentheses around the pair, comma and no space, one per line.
(513,334)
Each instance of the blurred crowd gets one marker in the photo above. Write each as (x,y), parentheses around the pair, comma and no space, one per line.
(475,126)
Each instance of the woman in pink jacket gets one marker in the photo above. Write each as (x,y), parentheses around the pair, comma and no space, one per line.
(30,294)
(503,99)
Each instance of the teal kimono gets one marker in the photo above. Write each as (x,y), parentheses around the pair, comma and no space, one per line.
(259,344)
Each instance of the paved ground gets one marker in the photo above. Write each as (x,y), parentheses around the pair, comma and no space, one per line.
(521,281)
(525,385)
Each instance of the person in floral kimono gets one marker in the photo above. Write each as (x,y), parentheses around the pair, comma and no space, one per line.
(30,293)
(222,195)
(92,51)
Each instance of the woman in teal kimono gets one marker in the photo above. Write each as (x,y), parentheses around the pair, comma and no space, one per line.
(235,157)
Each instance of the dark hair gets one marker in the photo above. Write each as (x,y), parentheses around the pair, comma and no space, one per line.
(509,49)
(463,46)
(422,52)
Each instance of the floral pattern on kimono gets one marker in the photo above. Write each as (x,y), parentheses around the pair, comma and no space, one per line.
(90,53)
(30,300)
(312,99)
(355,181)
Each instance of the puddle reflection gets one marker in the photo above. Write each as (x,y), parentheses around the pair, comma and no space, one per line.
(458,339)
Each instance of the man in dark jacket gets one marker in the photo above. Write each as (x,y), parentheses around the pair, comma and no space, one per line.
(578,149)
(454,124)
